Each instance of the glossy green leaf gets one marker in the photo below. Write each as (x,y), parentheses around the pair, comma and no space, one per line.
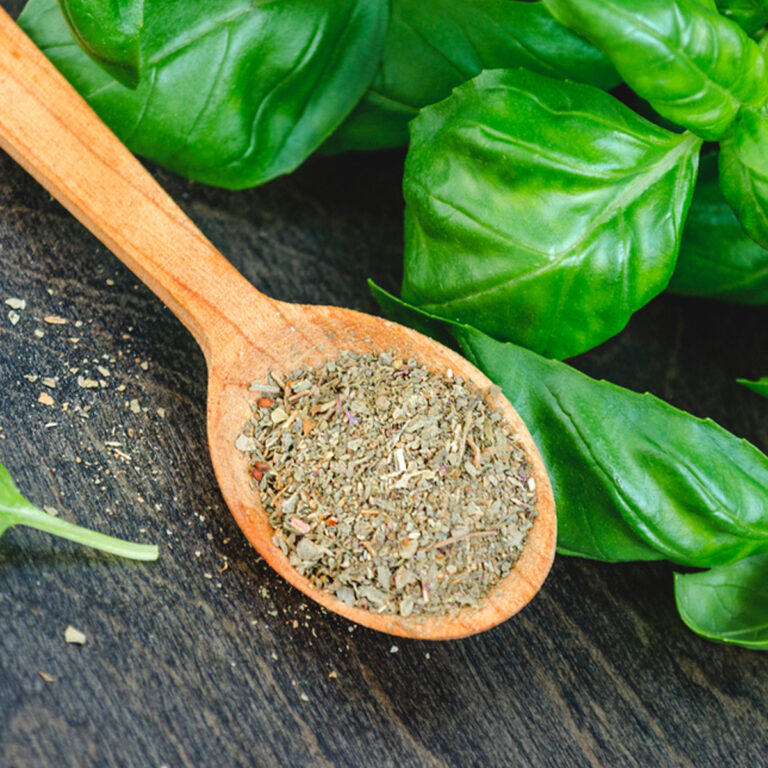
(542,212)
(434,45)
(760,386)
(110,33)
(696,67)
(744,171)
(633,477)
(717,259)
(16,510)
(728,604)
(231,92)
(750,15)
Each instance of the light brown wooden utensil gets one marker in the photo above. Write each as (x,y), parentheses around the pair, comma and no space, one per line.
(53,134)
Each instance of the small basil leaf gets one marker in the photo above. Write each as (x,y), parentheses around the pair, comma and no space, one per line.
(717,259)
(547,232)
(110,33)
(231,93)
(750,15)
(760,386)
(693,65)
(434,45)
(633,477)
(728,604)
(744,171)
(16,510)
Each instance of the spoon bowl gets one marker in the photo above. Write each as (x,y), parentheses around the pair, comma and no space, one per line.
(51,131)
(309,336)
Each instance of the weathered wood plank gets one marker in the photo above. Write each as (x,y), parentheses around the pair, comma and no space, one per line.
(187,665)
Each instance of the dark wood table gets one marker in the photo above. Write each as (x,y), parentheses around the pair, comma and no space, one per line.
(205,658)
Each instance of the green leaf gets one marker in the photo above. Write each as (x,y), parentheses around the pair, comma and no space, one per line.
(728,604)
(760,386)
(717,259)
(540,211)
(693,65)
(633,477)
(110,33)
(750,15)
(231,92)
(434,45)
(744,171)
(16,510)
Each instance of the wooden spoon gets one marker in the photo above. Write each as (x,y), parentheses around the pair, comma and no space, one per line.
(51,131)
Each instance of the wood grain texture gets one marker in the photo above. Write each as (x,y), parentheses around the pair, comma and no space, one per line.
(597,670)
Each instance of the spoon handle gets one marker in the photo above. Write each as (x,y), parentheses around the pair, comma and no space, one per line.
(49,129)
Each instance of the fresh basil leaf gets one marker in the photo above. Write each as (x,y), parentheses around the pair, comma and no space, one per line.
(728,604)
(717,259)
(633,477)
(434,45)
(750,15)
(110,33)
(744,171)
(16,510)
(547,231)
(693,65)
(233,92)
(760,386)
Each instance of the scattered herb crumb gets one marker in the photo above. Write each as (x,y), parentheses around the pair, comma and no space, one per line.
(86,383)
(74,636)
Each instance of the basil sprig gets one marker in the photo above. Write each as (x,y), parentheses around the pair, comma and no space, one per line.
(16,510)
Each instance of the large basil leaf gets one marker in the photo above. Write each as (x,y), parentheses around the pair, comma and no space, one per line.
(434,45)
(110,33)
(717,259)
(693,65)
(633,477)
(760,386)
(231,92)
(542,212)
(744,171)
(750,15)
(728,604)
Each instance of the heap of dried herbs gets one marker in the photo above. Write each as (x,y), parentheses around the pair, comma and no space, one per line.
(393,488)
